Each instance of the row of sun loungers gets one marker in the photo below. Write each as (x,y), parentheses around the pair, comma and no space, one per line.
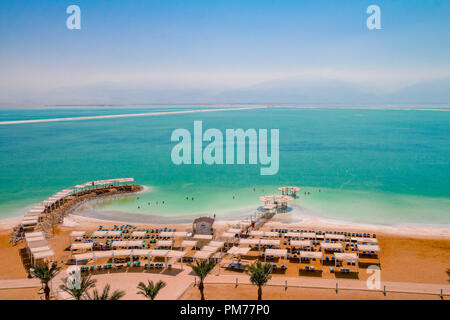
(347,234)
(109,266)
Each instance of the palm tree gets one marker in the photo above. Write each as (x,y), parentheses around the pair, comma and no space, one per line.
(202,269)
(104,295)
(45,272)
(259,275)
(151,290)
(79,291)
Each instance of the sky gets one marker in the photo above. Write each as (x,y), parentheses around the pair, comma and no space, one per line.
(167,46)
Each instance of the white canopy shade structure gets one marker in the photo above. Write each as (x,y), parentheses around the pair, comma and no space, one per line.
(232,250)
(269,206)
(228,235)
(289,189)
(30,223)
(34,250)
(340,256)
(117,253)
(81,246)
(364,240)
(31,218)
(188,243)
(159,253)
(311,255)
(38,248)
(372,248)
(48,202)
(34,210)
(257,233)
(43,255)
(339,237)
(308,235)
(249,241)
(266,199)
(32,214)
(293,235)
(301,243)
(210,248)
(83,257)
(175,234)
(177,255)
(35,244)
(238,251)
(129,253)
(216,243)
(34,239)
(270,242)
(127,243)
(36,234)
(164,243)
(284,199)
(260,233)
(275,252)
(138,234)
(104,233)
(332,246)
(271,234)
(203,237)
(203,255)
(234,230)
(368,248)
(77,234)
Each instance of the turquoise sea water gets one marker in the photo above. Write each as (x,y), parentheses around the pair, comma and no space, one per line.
(374,166)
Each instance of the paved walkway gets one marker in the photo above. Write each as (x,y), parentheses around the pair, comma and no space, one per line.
(178,281)
(19,283)
(343,284)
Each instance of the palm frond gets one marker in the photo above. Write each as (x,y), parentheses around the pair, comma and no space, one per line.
(80,292)
(104,295)
(260,273)
(202,268)
(150,290)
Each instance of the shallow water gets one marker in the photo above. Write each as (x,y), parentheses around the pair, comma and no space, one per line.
(372,166)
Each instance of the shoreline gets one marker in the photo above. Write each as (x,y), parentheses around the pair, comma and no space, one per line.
(413,231)
(299,217)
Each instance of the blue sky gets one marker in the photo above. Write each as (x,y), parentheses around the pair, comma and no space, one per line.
(216,44)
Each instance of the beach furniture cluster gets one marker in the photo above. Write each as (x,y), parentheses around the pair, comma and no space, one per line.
(37,247)
(151,249)
(127,246)
(341,251)
(35,215)
(275,203)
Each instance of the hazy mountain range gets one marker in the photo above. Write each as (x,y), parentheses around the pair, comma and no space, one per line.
(280,91)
